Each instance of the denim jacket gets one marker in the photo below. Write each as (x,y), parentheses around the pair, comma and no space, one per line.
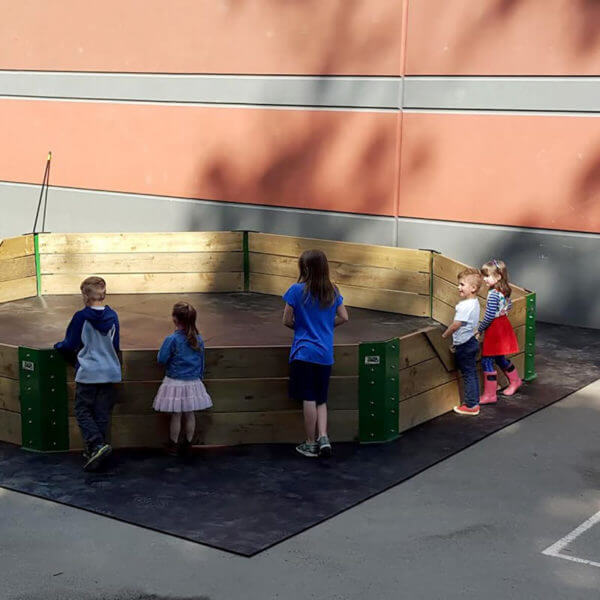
(181,360)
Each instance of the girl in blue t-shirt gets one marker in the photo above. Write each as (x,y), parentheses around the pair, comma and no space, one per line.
(314,306)
(182,391)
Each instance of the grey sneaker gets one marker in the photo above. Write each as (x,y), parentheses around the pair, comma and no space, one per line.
(308,449)
(324,446)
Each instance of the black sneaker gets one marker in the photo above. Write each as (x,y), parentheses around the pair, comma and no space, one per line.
(324,446)
(99,453)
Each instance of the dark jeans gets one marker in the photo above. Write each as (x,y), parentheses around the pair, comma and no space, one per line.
(93,406)
(466,361)
(487,363)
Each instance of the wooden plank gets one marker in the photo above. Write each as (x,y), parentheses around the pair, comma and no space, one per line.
(10,427)
(373,299)
(448,293)
(422,377)
(403,259)
(428,405)
(18,289)
(142,262)
(414,348)
(182,241)
(15,247)
(520,333)
(230,428)
(448,269)
(386,300)
(345,274)
(9,395)
(237,362)
(150,283)
(441,347)
(9,361)
(221,428)
(518,314)
(274,285)
(442,312)
(17,268)
(230,395)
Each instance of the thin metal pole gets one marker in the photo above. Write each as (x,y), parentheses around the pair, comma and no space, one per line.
(46,196)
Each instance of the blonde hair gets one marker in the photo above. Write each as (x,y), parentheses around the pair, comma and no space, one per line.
(498,267)
(93,289)
(473,276)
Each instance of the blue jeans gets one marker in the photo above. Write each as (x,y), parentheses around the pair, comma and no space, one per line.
(93,406)
(487,363)
(466,361)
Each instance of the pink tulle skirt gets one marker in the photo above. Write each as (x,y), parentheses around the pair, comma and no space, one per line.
(177,395)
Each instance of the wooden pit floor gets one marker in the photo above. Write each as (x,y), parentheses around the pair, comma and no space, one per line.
(224,319)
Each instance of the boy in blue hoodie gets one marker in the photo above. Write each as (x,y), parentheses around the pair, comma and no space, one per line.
(92,343)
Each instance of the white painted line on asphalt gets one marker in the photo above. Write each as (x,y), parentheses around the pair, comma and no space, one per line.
(556,548)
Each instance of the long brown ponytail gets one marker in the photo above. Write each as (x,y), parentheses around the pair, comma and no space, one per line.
(185,315)
(314,272)
(498,267)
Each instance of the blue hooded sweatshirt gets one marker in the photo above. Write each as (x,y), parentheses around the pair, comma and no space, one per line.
(93,339)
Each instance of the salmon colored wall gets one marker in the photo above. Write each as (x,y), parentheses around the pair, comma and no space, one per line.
(531,171)
(331,160)
(503,37)
(358,37)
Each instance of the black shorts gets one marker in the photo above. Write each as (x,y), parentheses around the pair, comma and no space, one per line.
(309,381)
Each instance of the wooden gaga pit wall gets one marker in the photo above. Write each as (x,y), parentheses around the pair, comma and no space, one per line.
(378,389)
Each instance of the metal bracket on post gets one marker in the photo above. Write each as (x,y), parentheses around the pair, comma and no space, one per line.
(530,373)
(44,404)
(378,391)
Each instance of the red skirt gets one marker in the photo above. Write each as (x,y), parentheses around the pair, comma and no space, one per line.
(499,338)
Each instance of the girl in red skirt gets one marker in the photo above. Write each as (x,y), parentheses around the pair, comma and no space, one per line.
(499,339)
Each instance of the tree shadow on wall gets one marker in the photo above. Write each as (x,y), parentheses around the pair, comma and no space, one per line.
(562,270)
(315,160)
(331,160)
(583,31)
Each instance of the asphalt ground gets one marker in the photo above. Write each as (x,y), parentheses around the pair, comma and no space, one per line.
(473,526)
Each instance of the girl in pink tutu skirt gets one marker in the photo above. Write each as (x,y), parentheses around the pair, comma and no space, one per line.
(182,392)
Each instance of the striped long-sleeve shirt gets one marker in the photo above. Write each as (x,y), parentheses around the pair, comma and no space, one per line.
(497,305)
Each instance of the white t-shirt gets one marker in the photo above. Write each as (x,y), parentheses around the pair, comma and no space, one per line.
(467,311)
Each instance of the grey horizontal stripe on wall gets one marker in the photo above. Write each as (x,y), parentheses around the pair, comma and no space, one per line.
(354,92)
(520,94)
(556,94)
(77,210)
(553,263)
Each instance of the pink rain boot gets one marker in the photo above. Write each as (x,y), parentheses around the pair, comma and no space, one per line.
(490,381)
(514,381)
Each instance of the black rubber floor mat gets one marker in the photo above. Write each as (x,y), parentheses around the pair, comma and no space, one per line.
(248,498)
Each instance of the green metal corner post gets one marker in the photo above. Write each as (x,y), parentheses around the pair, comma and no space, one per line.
(378,390)
(44,404)
(530,373)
